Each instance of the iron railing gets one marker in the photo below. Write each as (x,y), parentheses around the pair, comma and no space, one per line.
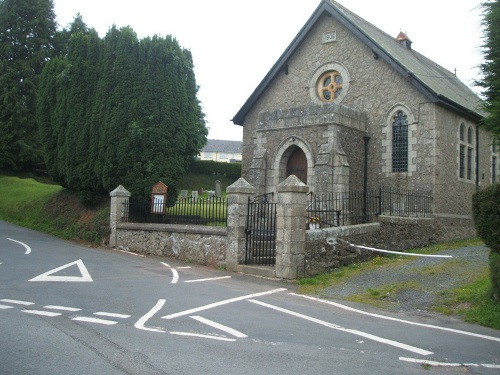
(195,211)
(358,207)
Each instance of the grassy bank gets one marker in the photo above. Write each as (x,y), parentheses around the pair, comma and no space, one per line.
(51,209)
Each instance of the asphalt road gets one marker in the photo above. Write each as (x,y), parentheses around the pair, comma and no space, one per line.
(69,309)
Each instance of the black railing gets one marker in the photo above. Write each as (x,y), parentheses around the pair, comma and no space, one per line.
(358,207)
(195,211)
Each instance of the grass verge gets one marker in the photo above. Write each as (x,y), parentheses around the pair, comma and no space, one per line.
(471,300)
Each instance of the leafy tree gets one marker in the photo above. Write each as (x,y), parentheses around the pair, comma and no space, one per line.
(27,29)
(491,67)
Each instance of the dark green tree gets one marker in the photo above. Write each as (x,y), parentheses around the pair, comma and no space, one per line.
(491,67)
(120,111)
(27,30)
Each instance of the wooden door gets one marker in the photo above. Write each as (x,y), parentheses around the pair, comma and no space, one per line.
(297,165)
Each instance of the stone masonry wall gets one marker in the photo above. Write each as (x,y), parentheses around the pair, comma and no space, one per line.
(327,249)
(189,243)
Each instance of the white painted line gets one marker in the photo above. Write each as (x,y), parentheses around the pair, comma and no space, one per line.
(447,364)
(342,329)
(201,336)
(140,323)
(466,333)
(17,302)
(225,302)
(399,253)
(28,249)
(63,308)
(112,315)
(208,279)
(83,270)
(184,268)
(216,325)
(94,320)
(5,307)
(130,253)
(43,313)
(175,274)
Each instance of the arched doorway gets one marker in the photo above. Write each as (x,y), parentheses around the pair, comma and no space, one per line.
(297,165)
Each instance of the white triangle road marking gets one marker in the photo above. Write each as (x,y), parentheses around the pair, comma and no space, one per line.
(47,276)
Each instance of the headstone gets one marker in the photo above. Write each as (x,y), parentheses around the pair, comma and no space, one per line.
(211,194)
(194,195)
(184,194)
(218,192)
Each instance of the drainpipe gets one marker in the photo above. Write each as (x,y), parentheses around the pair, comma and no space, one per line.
(477,157)
(366,138)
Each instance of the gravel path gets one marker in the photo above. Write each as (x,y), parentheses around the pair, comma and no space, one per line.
(418,284)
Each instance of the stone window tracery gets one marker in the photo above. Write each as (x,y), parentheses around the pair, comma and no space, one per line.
(330,86)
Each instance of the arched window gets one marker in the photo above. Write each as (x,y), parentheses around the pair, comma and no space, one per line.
(400,142)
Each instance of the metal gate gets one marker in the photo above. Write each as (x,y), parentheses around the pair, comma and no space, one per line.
(261,230)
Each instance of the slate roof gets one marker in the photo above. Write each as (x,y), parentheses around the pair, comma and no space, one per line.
(218,145)
(438,84)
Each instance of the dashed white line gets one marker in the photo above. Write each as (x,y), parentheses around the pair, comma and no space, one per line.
(184,268)
(130,253)
(216,325)
(62,308)
(5,307)
(339,328)
(208,279)
(42,313)
(94,320)
(17,302)
(28,249)
(224,302)
(112,315)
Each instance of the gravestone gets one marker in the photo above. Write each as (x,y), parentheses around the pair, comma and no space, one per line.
(194,196)
(218,192)
(184,194)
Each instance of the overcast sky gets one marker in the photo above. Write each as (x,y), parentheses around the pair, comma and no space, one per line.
(235,43)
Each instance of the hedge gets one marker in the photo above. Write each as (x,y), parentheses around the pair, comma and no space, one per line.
(486,212)
(231,170)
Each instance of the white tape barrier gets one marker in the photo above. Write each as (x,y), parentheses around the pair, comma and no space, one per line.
(397,252)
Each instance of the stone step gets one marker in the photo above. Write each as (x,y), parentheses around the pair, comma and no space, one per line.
(264,271)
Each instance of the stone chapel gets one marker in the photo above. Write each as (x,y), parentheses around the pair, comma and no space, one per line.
(348,107)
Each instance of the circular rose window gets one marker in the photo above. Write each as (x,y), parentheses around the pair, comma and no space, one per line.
(329,86)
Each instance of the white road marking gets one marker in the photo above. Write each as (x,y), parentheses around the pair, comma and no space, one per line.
(175,274)
(216,325)
(5,307)
(130,253)
(43,313)
(112,315)
(201,336)
(140,323)
(492,338)
(225,302)
(94,320)
(83,270)
(28,249)
(17,302)
(184,268)
(342,329)
(63,308)
(208,279)
(447,364)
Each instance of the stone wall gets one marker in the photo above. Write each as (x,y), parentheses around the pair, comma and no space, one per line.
(189,243)
(328,249)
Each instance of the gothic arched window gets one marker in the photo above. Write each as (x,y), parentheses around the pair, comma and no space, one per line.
(400,142)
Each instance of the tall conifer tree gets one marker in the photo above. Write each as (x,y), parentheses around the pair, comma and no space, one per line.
(27,30)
